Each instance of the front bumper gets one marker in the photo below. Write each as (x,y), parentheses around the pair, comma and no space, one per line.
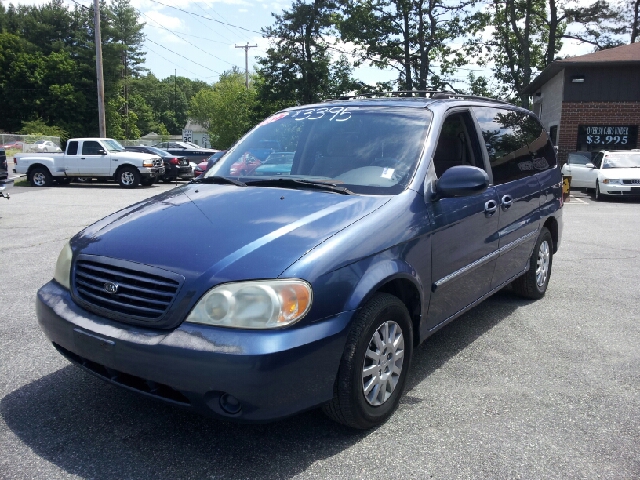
(620,190)
(273,374)
(151,172)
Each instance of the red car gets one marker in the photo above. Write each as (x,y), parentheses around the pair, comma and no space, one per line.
(245,166)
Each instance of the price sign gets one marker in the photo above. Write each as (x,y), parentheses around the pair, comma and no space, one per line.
(613,137)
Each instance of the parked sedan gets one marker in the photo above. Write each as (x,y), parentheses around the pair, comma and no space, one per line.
(202,167)
(192,152)
(245,165)
(13,146)
(46,146)
(612,172)
(278,163)
(174,166)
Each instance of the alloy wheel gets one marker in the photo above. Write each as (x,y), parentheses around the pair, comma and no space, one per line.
(542,269)
(382,365)
(127,178)
(39,179)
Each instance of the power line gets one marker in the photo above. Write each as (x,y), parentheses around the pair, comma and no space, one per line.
(185,40)
(174,64)
(206,18)
(227,28)
(198,37)
(180,55)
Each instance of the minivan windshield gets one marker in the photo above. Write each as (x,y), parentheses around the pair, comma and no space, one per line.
(367,150)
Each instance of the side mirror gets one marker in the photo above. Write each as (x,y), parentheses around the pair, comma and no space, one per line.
(590,165)
(461,181)
(102,151)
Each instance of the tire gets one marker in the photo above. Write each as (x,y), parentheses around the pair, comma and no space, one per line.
(533,284)
(128,177)
(597,196)
(147,182)
(356,401)
(40,177)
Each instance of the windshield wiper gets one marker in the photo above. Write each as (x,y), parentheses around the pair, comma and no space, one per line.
(215,179)
(299,183)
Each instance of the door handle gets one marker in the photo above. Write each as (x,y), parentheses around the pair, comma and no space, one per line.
(506,201)
(81,158)
(490,208)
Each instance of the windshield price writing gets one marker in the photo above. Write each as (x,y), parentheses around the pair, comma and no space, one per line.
(339,114)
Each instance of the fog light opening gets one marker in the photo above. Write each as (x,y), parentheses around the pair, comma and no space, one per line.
(230,404)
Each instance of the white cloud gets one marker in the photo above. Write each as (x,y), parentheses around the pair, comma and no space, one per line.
(168,21)
(243,10)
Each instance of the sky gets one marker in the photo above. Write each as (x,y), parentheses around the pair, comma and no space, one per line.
(200,39)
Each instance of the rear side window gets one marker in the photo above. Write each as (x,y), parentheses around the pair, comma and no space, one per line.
(72,148)
(517,144)
(91,147)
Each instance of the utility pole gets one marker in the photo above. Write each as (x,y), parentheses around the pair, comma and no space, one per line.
(99,74)
(246,62)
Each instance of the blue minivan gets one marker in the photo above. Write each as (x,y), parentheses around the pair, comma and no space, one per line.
(311,288)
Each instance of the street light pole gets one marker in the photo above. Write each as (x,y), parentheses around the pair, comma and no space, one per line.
(246,61)
(99,74)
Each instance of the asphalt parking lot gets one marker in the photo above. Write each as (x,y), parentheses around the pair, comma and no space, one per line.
(513,389)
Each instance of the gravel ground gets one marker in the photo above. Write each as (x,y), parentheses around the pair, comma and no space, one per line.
(513,389)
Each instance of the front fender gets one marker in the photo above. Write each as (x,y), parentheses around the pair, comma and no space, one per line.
(380,272)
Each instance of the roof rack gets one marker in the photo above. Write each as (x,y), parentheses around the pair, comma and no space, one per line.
(433,94)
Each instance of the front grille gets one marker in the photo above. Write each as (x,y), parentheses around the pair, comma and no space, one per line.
(631,182)
(141,292)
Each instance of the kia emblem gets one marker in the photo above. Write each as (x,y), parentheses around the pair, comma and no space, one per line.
(111,288)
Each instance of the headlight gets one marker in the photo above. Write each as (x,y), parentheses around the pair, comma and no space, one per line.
(257,304)
(612,181)
(63,267)
(147,163)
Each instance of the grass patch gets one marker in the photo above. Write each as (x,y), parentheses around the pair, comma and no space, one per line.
(21,183)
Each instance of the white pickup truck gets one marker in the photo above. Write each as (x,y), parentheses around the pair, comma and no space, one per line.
(90,158)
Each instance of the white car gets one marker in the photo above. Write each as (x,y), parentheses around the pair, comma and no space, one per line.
(611,173)
(46,146)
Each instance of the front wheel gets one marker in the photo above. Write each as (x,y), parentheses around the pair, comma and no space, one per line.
(533,284)
(128,177)
(598,195)
(374,365)
(40,177)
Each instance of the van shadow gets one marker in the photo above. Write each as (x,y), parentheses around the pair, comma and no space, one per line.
(95,430)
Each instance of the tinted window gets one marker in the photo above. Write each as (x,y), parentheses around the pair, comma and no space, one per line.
(72,148)
(597,161)
(90,147)
(579,158)
(457,144)
(517,144)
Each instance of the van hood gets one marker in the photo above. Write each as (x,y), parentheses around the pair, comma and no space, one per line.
(223,233)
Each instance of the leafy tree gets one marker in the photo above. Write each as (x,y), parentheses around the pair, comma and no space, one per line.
(298,67)
(407,35)
(226,110)
(38,127)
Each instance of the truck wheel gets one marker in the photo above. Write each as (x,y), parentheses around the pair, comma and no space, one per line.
(128,177)
(533,284)
(40,177)
(374,364)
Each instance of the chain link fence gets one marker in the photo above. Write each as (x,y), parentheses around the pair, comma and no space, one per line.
(13,144)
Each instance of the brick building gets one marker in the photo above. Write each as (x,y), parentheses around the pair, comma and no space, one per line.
(590,102)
